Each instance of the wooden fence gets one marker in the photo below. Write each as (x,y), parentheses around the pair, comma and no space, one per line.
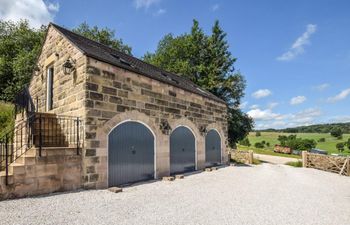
(335,164)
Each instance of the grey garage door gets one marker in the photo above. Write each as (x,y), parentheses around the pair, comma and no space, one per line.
(130,154)
(212,148)
(182,151)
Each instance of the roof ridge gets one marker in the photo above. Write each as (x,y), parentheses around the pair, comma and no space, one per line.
(123,53)
(109,50)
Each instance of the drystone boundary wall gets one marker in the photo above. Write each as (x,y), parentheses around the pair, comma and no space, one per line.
(242,156)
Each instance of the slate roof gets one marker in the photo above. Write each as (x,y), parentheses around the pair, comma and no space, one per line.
(114,57)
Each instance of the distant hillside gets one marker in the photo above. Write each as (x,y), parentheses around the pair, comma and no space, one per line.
(317,128)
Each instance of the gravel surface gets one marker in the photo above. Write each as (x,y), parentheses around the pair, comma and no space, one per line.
(263,194)
(275,159)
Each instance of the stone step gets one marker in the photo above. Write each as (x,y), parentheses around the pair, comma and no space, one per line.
(3,178)
(16,168)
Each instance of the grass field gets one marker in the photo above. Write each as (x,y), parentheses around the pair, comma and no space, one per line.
(271,137)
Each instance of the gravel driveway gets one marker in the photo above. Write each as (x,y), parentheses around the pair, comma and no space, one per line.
(275,159)
(264,194)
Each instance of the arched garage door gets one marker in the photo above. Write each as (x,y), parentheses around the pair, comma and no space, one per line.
(212,148)
(130,154)
(182,151)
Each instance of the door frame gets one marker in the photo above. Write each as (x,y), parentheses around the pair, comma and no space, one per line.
(154,145)
(195,145)
(205,146)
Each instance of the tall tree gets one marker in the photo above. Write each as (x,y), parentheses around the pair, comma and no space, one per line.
(20,46)
(19,49)
(103,35)
(207,61)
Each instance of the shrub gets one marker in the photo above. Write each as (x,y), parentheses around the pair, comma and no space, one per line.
(245,142)
(256,161)
(6,116)
(259,145)
(322,140)
(268,144)
(263,142)
(258,134)
(293,142)
(336,132)
(340,146)
(295,164)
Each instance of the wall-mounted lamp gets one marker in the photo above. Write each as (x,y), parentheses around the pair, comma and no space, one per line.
(68,66)
(203,130)
(37,69)
(165,127)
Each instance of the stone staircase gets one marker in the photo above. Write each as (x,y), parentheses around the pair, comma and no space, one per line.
(58,169)
(41,155)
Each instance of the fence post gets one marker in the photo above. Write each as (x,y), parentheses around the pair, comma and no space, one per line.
(304,158)
(250,157)
(348,171)
(40,136)
(77,135)
(6,159)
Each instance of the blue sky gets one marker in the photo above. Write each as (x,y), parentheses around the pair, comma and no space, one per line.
(295,55)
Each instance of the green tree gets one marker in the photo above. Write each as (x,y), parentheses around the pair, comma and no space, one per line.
(245,142)
(207,61)
(322,140)
(259,145)
(105,36)
(19,48)
(348,143)
(6,116)
(337,132)
(239,125)
(340,146)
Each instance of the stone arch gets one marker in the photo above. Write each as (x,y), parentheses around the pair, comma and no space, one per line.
(200,151)
(218,128)
(103,131)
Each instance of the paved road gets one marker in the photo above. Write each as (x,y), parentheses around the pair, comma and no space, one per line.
(266,194)
(275,159)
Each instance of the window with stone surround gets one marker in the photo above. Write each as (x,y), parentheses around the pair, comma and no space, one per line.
(49,88)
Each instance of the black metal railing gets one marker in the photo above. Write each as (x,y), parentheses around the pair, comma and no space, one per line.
(39,130)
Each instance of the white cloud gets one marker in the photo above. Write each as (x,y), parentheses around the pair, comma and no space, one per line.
(37,12)
(268,119)
(340,119)
(54,7)
(297,100)
(243,105)
(262,93)
(159,12)
(254,107)
(145,3)
(298,46)
(215,7)
(305,117)
(321,87)
(342,95)
(260,115)
(272,105)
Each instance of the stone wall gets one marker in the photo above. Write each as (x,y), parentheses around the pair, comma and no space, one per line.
(68,89)
(58,169)
(242,156)
(115,95)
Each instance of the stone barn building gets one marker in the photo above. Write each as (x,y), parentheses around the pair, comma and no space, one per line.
(94,117)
